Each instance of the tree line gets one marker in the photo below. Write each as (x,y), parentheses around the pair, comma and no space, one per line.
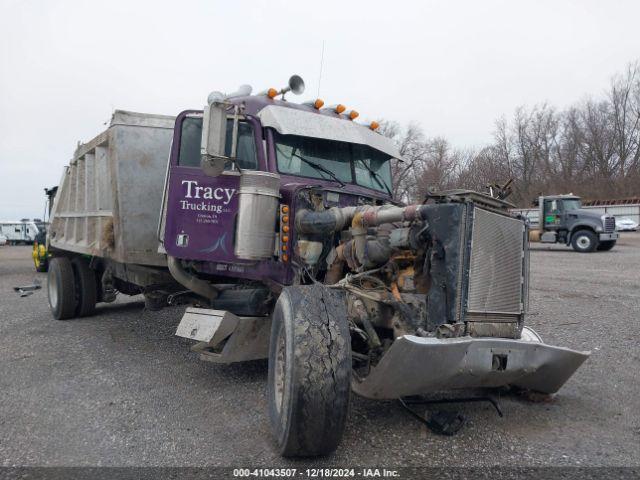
(591,149)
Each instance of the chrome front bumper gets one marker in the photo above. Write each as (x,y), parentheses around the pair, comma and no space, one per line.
(608,236)
(415,365)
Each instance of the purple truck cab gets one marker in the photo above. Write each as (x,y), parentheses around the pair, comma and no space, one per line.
(202,211)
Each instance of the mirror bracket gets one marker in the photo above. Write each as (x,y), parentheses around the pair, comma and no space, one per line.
(214,137)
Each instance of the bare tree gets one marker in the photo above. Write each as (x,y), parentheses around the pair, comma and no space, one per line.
(410,142)
(592,149)
(624,98)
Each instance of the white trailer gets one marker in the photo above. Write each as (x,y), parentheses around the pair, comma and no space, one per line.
(19,232)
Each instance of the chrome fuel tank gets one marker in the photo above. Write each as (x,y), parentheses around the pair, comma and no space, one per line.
(258,206)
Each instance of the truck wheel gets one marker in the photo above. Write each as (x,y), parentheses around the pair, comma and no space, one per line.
(85,286)
(61,288)
(309,370)
(584,241)
(606,245)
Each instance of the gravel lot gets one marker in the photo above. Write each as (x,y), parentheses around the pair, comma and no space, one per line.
(119,389)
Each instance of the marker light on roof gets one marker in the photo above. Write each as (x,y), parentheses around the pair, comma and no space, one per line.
(352,114)
(374,125)
(336,108)
(317,103)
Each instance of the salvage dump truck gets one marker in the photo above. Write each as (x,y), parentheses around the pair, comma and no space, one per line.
(274,223)
(561,219)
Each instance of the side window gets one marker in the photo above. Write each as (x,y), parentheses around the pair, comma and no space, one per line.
(191,135)
(551,207)
(246,149)
(190,138)
(551,213)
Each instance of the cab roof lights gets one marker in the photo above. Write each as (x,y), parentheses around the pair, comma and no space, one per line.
(336,108)
(317,103)
(352,114)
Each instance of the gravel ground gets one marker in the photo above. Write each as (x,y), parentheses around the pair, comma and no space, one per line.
(120,389)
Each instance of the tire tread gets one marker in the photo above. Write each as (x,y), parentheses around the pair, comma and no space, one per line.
(61,272)
(322,371)
(86,286)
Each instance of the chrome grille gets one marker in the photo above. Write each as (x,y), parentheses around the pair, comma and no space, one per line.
(496,267)
(609,224)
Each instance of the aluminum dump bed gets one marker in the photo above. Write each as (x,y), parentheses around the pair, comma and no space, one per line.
(108,202)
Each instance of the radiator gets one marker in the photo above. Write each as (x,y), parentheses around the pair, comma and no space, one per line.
(497,275)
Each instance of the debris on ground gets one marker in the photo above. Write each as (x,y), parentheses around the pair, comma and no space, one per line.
(446,422)
(26,290)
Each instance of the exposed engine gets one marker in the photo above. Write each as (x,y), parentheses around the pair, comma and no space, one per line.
(454,266)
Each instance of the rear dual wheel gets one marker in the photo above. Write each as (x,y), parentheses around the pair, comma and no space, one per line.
(71,287)
(309,370)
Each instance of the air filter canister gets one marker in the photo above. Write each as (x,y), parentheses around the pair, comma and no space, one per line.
(257,213)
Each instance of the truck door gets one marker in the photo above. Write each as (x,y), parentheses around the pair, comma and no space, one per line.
(552,214)
(200,210)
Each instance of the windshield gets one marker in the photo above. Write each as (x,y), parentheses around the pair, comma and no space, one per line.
(571,204)
(332,160)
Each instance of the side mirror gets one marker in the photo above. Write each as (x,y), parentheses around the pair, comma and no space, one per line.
(214,137)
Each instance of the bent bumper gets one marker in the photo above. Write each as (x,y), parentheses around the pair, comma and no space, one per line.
(416,365)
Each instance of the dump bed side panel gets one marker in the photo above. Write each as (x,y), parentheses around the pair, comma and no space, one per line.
(109,199)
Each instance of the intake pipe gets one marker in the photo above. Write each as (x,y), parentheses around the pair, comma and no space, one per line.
(327,221)
(336,218)
(191,282)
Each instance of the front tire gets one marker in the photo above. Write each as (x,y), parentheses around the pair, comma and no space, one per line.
(61,288)
(584,241)
(309,370)
(606,245)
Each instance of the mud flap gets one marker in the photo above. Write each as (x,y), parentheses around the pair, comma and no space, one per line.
(224,337)
(415,365)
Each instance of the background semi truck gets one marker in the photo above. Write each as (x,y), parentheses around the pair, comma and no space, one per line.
(560,219)
(273,221)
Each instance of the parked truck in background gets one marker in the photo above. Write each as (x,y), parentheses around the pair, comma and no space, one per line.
(274,222)
(562,220)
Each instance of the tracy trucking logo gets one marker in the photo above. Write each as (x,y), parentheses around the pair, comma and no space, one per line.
(212,199)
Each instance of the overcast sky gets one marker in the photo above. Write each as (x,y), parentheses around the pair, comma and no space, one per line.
(452,66)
